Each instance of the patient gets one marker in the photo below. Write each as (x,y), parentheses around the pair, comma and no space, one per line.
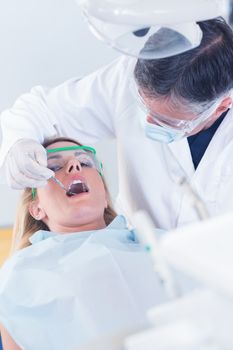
(77,272)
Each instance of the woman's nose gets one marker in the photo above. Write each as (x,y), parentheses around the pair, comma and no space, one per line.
(73,166)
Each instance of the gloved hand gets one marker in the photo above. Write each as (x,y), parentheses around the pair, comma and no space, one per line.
(26,165)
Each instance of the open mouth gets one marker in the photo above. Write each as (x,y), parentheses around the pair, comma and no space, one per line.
(77,187)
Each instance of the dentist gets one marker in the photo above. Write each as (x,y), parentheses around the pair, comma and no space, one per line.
(172,120)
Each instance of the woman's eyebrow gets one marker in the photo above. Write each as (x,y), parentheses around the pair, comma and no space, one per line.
(57,156)
(80,152)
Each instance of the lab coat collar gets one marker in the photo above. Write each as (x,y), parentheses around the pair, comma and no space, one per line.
(181,152)
(221,139)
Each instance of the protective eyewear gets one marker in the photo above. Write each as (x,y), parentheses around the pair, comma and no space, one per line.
(175,123)
(57,158)
(85,155)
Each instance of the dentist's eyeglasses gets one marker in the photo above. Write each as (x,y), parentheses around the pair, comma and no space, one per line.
(175,123)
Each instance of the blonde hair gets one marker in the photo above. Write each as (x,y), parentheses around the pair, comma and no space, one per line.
(25,225)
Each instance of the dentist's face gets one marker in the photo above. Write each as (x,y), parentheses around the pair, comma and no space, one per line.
(162,110)
(63,213)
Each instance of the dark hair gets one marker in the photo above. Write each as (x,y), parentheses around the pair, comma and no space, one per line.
(196,76)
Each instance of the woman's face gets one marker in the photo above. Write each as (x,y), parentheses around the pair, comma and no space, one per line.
(82,211)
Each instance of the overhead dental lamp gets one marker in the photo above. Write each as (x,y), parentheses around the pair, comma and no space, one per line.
(150,29)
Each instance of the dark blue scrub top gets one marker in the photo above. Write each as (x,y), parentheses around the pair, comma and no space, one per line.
(198,143)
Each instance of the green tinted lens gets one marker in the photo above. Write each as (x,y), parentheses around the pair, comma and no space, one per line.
(86,157)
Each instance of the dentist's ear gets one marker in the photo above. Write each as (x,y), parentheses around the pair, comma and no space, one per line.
(224,105)
(36,211)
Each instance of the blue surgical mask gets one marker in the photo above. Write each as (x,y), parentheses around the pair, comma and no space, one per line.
(162,134)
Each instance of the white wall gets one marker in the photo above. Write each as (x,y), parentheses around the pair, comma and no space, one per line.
(44,42)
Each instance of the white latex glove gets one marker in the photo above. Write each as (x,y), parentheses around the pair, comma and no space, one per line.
(26,165)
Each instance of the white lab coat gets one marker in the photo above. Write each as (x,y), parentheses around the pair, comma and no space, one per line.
(102,105)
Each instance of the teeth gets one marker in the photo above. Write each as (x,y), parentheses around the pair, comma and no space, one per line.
(76,182)
(77,187)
